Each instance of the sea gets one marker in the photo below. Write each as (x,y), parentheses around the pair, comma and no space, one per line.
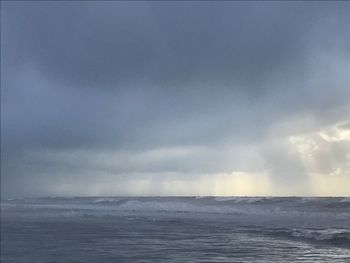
(175,229)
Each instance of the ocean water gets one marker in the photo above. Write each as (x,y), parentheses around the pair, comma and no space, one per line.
(175,229)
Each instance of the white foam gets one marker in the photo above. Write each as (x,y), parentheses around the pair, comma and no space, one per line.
(325,234)
(105,200)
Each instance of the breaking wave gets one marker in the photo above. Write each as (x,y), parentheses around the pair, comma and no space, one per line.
(323,235)
(105,200)
(326,235)
(294,206)
(329,236)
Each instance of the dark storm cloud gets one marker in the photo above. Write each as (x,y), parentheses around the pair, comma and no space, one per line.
(111,44)
(137,76)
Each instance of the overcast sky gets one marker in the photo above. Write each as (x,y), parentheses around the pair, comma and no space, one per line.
(175,98)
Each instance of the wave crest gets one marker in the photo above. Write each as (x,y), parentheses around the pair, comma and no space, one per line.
(322,235)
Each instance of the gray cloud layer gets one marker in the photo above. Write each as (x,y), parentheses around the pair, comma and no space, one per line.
(165,86)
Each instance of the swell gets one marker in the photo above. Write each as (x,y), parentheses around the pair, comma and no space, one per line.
(222,205)
(329,236)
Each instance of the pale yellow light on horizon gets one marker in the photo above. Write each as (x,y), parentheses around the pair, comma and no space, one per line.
(312,151)
(242,183)
(330,184)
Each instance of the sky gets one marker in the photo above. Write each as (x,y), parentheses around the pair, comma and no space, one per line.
(175,98)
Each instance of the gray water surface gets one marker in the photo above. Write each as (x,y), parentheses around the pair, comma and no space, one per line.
(175,229)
